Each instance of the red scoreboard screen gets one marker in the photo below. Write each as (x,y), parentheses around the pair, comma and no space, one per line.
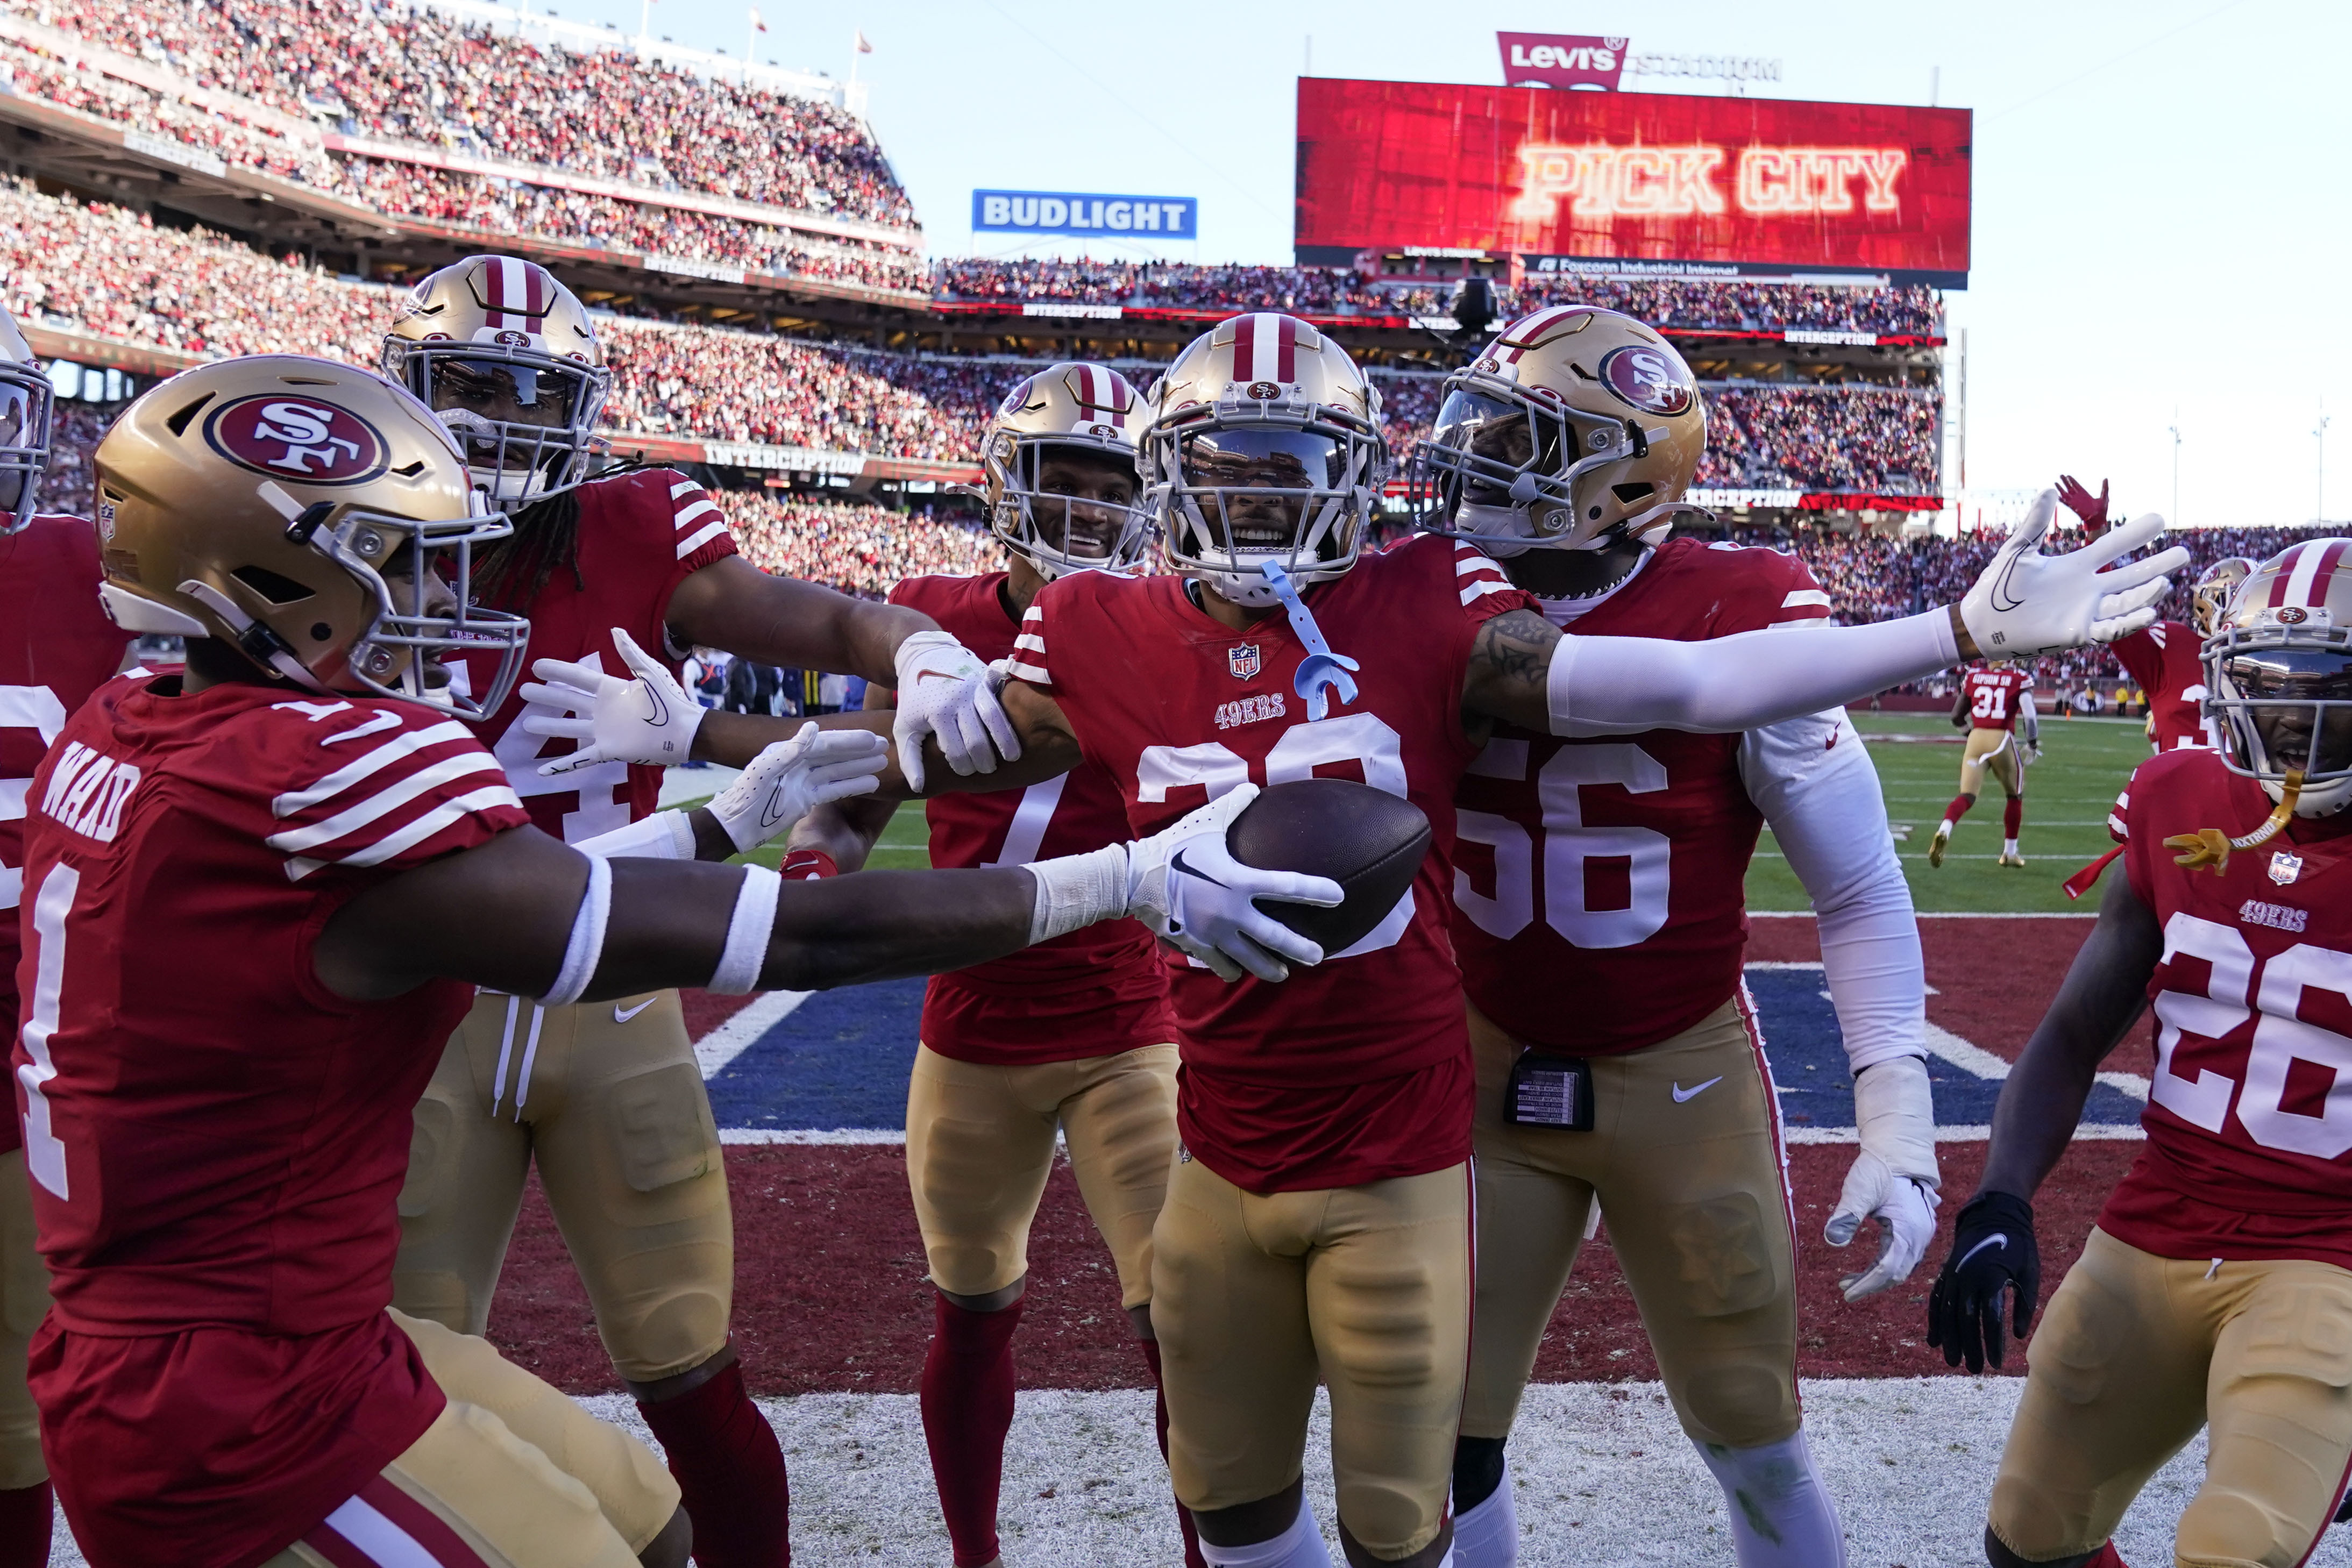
(1638,177)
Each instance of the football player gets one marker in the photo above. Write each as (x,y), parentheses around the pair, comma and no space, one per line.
(1072,1036)
(2216,1289)
(2163,659)
(1318,1219)
(605,1099)
(259,895)
(57,647)
(1611,872)
(1995,704)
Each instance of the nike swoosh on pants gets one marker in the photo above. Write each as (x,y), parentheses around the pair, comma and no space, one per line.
(1683,1094)
(621,1015)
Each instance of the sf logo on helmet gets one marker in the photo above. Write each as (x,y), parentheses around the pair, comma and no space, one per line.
(1645,378)
(284,437)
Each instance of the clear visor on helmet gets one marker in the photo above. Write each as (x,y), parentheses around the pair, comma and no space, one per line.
(1071,504)
(24,404)
(2288,708)
(1257,487)
(427,642)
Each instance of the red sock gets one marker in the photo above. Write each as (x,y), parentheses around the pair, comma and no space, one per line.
(730,1469)
(2011,815)
(25,1518)
(968,1380)
(1151,1348)
(1959,808)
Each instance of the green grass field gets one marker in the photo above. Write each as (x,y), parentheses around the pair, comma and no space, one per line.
(2083,763)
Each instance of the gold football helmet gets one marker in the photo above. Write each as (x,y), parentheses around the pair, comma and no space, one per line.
(1264,445)
(25,401)
(2209,600)
(1068,428)
(1574,423)
(313,515)
(2278,676)
(508,358)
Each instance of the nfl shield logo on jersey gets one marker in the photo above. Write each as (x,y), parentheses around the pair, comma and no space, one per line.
(2284,867)
(1242,660)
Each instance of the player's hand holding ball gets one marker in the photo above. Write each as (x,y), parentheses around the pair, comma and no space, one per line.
(1993,1253)
(645,717)
(792,778)
(1187,887)
(2026,602)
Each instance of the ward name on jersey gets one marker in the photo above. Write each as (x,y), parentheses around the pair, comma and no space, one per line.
(1613,870)
(626,520)
(2162,662)
(56,647)
(1096,991)
(215,1140)
(1356,1070)
(1996,696)
(2249,1151)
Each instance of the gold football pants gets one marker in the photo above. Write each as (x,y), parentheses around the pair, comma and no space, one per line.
(1254,1294)
(23,1303)
(2132,1355)
(607,1099)
(1992,751)
(1685,1158)
(521,1475)
(980,1144)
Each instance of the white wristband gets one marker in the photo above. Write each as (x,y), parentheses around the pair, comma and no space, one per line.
(1074,891)
(587,943)
(664,836)
(748,930)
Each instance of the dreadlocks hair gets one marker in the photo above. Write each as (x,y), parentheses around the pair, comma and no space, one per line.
(514,571)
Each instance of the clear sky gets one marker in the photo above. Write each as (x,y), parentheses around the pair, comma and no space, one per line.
(2163,198)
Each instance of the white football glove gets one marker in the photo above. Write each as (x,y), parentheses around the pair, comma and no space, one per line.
(1894,1180)
(1184,885)
(649,719)
(790,778)
(945,689)
(2026,602)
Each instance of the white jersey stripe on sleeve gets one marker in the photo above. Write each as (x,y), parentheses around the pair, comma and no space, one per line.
(2116,826)
(1475,591)
(416,832)
(1806,596)
(1469,562)
(695,541)
(360,767)
(1031,641)
(683,488)
(699,508)
(1021,669)
(389,798)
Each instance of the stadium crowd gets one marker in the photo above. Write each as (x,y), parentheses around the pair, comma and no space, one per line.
(1847,436)
(853,545)
(387,71)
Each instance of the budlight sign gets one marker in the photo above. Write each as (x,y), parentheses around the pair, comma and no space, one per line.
(1084,213)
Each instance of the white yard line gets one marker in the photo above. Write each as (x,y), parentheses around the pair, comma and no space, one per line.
(804,1137)
(730,1040)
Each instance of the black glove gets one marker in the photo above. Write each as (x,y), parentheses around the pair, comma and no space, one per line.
(1993,1251)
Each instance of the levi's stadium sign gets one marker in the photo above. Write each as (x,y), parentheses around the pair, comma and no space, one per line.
(1561,59)
(1084,213)
(1749,185)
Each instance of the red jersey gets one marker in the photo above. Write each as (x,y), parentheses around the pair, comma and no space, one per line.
(1091,992)
(2162,662)
(2249,1150)
(1996,696)
(1356,1070)
(56,647)
(1614,870)
(642,533)
(216,1139)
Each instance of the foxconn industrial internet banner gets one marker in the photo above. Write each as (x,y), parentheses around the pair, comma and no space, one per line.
(1559,177)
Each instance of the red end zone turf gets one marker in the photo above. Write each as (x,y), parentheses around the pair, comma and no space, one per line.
(830,1293)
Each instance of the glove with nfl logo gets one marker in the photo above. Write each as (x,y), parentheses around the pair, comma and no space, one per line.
(1894,1180)
(647,719)
(1994,1252)
(945,690)
(2026,602)
(1187,888)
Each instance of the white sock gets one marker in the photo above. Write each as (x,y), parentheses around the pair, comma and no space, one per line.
(1300,1546)
(1488,1534)
(2008,847)
(1781,1516)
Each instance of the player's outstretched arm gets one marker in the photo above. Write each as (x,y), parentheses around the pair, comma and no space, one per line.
(1994,1253)
(845,831)
(1522,672)
(527,914)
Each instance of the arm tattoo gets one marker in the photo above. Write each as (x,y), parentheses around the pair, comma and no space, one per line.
(1512,654)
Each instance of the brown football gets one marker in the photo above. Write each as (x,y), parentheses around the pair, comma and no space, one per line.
(1368,840)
